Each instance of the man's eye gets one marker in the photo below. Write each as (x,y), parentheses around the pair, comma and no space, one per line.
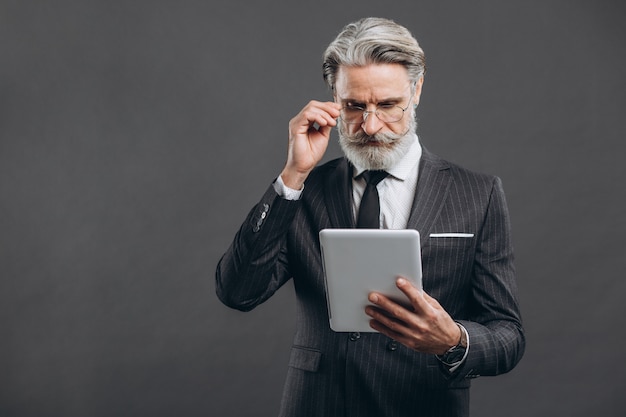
(386,106)
(354,107)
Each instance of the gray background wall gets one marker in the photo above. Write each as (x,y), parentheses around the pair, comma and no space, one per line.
(135,136)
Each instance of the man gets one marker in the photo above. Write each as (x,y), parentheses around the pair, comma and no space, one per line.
(465,323)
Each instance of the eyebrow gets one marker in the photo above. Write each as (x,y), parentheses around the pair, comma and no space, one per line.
(385,100)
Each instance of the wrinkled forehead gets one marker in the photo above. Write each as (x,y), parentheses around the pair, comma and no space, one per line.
(374,82)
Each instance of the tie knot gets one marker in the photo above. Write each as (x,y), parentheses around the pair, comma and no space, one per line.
(374,177)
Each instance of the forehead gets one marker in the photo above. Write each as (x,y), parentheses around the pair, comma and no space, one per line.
(372,82)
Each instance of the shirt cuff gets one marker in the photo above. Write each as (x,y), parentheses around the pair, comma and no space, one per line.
(286,192)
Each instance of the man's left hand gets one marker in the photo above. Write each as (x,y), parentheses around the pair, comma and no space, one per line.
(428,328)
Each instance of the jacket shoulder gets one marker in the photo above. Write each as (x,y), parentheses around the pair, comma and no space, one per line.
(320,173)
(458,172)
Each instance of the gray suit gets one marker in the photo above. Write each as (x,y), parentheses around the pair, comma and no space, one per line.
(368,374)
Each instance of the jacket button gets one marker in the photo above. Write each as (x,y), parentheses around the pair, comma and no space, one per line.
(257,226)
(355,336)
(392,345)
(259,223)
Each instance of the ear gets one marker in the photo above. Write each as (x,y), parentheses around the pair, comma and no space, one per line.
(418,91)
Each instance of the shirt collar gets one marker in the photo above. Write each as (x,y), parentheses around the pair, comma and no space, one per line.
(404,166)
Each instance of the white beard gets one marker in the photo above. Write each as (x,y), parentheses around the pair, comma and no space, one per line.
(390,149)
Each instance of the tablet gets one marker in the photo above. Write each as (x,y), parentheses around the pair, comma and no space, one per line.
(358,261)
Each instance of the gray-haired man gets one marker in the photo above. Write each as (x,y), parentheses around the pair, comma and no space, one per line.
(465,323)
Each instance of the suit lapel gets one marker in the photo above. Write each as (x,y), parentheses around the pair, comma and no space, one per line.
(433,184)
(338,195)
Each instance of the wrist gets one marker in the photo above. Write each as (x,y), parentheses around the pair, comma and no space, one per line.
(294,179)
(455,340)
(462,340)
(457,352)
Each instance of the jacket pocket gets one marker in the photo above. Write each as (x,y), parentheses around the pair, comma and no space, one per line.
(451,240)
(306,359)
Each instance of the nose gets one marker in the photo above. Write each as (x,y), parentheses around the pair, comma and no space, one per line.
(371,123)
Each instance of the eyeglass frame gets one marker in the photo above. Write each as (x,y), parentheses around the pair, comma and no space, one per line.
(366,113)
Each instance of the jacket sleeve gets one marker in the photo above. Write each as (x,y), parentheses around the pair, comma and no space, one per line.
(255,265)
(497,339)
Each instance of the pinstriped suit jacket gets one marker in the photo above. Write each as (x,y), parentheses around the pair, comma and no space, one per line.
(367,374)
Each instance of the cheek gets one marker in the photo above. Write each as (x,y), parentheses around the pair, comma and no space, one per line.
(399,127)
(352,129)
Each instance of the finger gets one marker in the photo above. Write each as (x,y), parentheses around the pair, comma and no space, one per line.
(382,329)
(385,323)
(415,295)
(326,130)
(404,336)
(390,308)
(327,108)
(313,119)
(385,319)
(326,117)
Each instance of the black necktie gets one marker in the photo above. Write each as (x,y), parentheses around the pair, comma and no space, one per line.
(369,211)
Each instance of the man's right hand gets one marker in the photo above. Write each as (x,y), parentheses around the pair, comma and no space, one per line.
(309,132)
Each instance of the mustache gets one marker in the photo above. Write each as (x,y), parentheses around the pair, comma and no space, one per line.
(362,138)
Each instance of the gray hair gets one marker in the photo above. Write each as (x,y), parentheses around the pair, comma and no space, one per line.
(373,41)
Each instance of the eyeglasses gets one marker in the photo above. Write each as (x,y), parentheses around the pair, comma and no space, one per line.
(387,113)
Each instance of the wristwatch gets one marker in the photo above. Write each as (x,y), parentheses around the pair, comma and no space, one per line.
(455,353)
